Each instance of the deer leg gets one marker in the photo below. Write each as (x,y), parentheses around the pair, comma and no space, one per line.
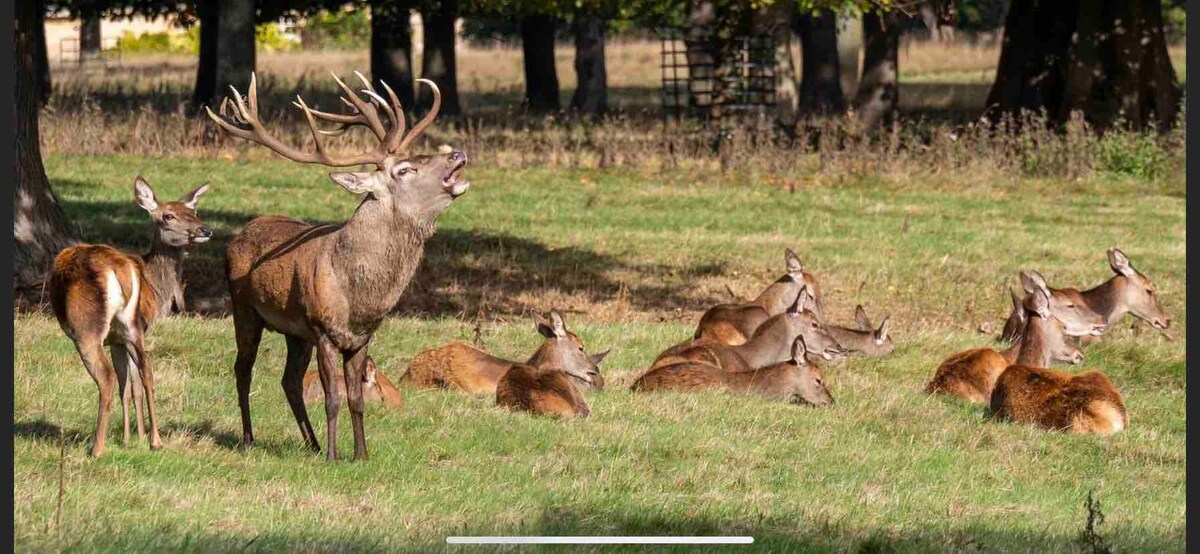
(299,353)
(326,362)
(120,361)
(138,395)
(101,369)
(354,365)
(247,328)
(137,347)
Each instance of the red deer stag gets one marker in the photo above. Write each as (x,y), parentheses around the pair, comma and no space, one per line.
(972,374)
(331,286)
(796,381)
(866,339)
(1129,291)
(460,366)
(100,297)
(733,324)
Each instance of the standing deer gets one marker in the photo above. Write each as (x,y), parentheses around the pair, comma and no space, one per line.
(866,339)
(796,381)
(1126,292)
(376,387)
(331,286)
(733,324)
(464,367)
(100,297)
(972,374)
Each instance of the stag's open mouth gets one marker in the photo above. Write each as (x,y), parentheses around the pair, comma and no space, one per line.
(200,239)
(451,182)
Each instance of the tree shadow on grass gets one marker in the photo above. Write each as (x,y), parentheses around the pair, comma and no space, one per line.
(462,271)
(42,430)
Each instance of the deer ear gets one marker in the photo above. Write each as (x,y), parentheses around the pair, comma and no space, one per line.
(559,326)
(799,350)
(1028,283)
(794,266)
(144,195)
(543,326)
(881,334)
(860,317)
(798,305)
(1038,279)
(1041,303)
(356,182)
(192,198)
(597,358)
(1120,262)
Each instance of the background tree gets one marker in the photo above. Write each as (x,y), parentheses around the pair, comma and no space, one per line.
(820,69)
(40,228)
(438,54)
(391,47)
(537,48)
(878,90)
(591,74)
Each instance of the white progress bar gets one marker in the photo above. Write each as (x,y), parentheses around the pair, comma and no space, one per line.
(599,540)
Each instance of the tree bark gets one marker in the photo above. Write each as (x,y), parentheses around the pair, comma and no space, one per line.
(205,89)
(40,228)
(591,76)
(700,37)
(820,73)
(878,92)
(41,75)
(437,56)
(391,48)
(89,37)
(1107,59)
(541,77)
(235,46)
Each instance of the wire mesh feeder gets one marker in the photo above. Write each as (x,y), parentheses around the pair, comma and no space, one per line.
(717,83)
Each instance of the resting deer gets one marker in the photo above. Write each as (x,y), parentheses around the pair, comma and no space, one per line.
(866,339)
(771,344)
(100,297)
(971,375)
(733,324)
(540,390)
(1129,291)
(1084,403)
(331,286)
(464,367)
(794,381)
(376,387)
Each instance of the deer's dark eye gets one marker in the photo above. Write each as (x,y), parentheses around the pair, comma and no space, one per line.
(1149,292)
(168,217)
(814,325)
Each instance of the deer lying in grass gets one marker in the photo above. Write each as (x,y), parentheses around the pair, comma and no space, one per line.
(771,344)
(1129,291)
(100,297)
(540,390)
(733,324)
(866,339)
(376,387)
(331,286)
(1084,403)
(794,381)
(460,366)
(971,375)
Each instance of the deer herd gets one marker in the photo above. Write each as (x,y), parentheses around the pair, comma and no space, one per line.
(328,288)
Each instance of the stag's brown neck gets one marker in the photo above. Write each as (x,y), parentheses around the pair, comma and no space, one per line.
(1104,299)
(1034,348)
(376,252)
(779,296)
(770,345)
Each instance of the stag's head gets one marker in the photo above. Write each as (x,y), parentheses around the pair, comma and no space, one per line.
(422,185)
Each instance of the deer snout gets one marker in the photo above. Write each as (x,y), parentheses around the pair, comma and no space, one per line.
(1098,330)
(1162,323)
(1077,358)
(202,234)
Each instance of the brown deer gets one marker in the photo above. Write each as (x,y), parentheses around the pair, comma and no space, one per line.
(376,387)
(972,374)
(733,324)
(1087,403)
(460,366)
(331,286)
(103,296)
(540,390)
(866,339)
(1129,291)
(795,381)
(771,344)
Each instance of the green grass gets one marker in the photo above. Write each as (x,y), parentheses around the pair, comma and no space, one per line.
(633,259)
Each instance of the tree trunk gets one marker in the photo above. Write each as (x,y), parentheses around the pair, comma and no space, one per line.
(699,39)
(591,89)
(89,36)
(1107,59)
(820,72)
(41,55)
(878,92)
(40,228)
(849,43)
(205,89)
(437,56)
(235,46)
(391,48)
(541,77)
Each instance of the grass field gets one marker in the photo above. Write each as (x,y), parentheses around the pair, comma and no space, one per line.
(632,258)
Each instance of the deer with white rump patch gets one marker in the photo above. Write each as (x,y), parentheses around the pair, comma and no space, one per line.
(331,286)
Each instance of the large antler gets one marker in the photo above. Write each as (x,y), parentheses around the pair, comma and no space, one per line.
(244,123)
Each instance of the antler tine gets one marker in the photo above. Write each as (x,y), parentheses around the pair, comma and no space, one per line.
(425,121)
(370,91)
(398,124)
(368,112)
